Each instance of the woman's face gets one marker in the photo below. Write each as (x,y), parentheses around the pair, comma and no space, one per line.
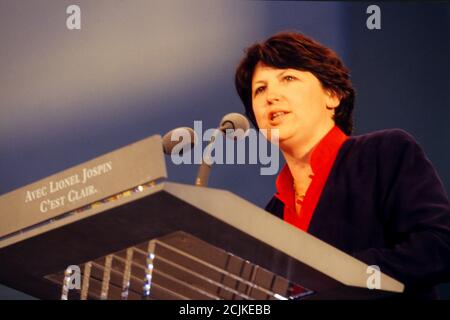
(292,101)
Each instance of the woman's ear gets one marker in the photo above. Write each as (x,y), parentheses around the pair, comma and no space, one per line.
(332,99)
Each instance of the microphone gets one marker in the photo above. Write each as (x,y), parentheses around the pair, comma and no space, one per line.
(235,122)
(233,125)
(179,140)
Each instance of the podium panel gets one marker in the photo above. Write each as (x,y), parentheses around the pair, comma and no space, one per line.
(176,266)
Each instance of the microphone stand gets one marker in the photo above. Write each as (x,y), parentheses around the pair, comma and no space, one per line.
(205,167)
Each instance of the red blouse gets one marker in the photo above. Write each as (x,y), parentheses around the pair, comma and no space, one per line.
(322,159)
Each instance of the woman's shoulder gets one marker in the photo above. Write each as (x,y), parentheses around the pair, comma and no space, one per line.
(384,147)
(387,139)
(385,134)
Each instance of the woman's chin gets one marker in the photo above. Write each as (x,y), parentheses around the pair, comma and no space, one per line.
(271,134)
(278,137)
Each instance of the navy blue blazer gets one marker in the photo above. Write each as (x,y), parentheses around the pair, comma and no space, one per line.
(384,204)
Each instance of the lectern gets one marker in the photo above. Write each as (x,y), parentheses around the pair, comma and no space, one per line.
(115,228)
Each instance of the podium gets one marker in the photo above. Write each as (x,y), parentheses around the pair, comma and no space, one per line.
(115,228)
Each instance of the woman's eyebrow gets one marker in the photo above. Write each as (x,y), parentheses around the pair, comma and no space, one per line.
(278,76)
(282,73)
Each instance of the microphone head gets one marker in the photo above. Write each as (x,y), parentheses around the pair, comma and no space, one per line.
(184,138)
(236,122)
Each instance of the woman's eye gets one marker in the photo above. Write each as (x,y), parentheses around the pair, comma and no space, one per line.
(259,90)
(289,78)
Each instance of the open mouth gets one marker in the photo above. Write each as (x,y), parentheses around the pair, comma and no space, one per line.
(277,115)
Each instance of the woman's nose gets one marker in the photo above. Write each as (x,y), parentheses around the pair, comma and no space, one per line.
(273,95)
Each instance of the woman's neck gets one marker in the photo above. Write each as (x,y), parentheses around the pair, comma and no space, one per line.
(298,154)
(299,162)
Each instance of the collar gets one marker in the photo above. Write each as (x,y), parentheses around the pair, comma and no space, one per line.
(322,157)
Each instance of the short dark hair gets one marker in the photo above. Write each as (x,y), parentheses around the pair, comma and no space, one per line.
(295,50)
